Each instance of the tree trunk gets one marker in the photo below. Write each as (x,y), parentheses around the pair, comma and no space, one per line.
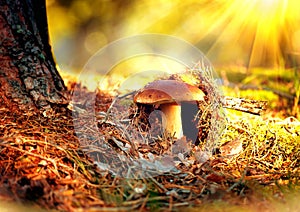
(29,79)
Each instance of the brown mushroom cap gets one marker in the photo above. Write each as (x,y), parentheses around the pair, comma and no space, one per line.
(168,91)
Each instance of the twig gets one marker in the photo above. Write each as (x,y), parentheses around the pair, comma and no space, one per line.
(114,101)
(245,105)
(157,183)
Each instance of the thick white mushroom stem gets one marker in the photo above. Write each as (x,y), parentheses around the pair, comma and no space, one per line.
(171,121)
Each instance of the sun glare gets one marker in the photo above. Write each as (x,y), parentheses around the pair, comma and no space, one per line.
(263,28)
(244,32)
(257,32)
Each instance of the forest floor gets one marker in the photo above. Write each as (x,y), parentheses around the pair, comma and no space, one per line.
(45,165)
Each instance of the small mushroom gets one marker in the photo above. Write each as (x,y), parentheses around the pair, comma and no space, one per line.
(168,96)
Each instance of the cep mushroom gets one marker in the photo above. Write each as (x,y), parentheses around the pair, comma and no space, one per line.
(168,96)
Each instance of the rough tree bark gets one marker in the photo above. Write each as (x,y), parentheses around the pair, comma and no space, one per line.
(29,79)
